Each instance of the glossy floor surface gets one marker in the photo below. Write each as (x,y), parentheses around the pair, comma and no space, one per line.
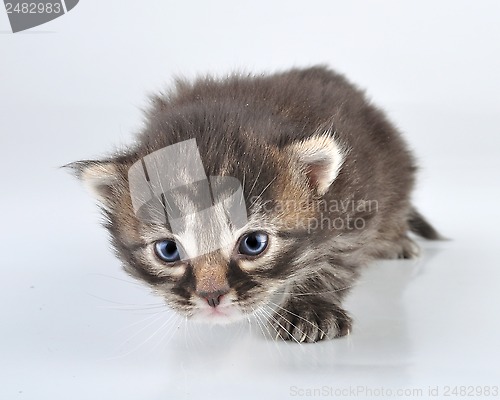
(74,326)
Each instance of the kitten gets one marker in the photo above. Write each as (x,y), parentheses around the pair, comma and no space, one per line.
(325,185)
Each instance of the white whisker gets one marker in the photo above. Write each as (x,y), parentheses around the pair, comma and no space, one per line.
(258,175)
(281,326)
(298,316)
(263,324)
(263,190)
(304,335)
(295,294)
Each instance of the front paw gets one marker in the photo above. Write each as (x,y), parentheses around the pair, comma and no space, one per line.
(309,323)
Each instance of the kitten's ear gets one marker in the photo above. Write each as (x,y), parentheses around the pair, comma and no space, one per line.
(320,159)
(98,176)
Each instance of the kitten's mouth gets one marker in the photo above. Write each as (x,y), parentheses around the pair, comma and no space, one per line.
(225,312)
(220,312)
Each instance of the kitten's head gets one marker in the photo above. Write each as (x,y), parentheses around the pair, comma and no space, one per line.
(258,258)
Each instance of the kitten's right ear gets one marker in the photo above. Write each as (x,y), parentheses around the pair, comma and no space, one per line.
(98,176)
(320,158)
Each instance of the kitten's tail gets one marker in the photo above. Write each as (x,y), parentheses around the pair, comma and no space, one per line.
(420,226)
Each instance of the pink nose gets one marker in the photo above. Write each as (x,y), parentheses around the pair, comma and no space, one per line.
(213,298)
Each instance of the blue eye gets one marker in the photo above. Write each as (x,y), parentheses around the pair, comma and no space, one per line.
(253,244)
(167,250)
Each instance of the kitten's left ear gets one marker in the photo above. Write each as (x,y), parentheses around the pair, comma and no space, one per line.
(98,176)
(320,158)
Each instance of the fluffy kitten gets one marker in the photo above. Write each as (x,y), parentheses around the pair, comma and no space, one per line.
(326,183)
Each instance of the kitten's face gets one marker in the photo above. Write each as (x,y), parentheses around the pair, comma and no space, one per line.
(258,259)
(225,284)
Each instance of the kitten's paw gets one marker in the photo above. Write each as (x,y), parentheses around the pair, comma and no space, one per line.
(409,249)
(309,326)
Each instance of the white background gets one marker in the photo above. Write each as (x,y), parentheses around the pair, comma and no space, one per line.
(74,326)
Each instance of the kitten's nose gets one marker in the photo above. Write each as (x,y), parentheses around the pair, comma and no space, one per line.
(213,298)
